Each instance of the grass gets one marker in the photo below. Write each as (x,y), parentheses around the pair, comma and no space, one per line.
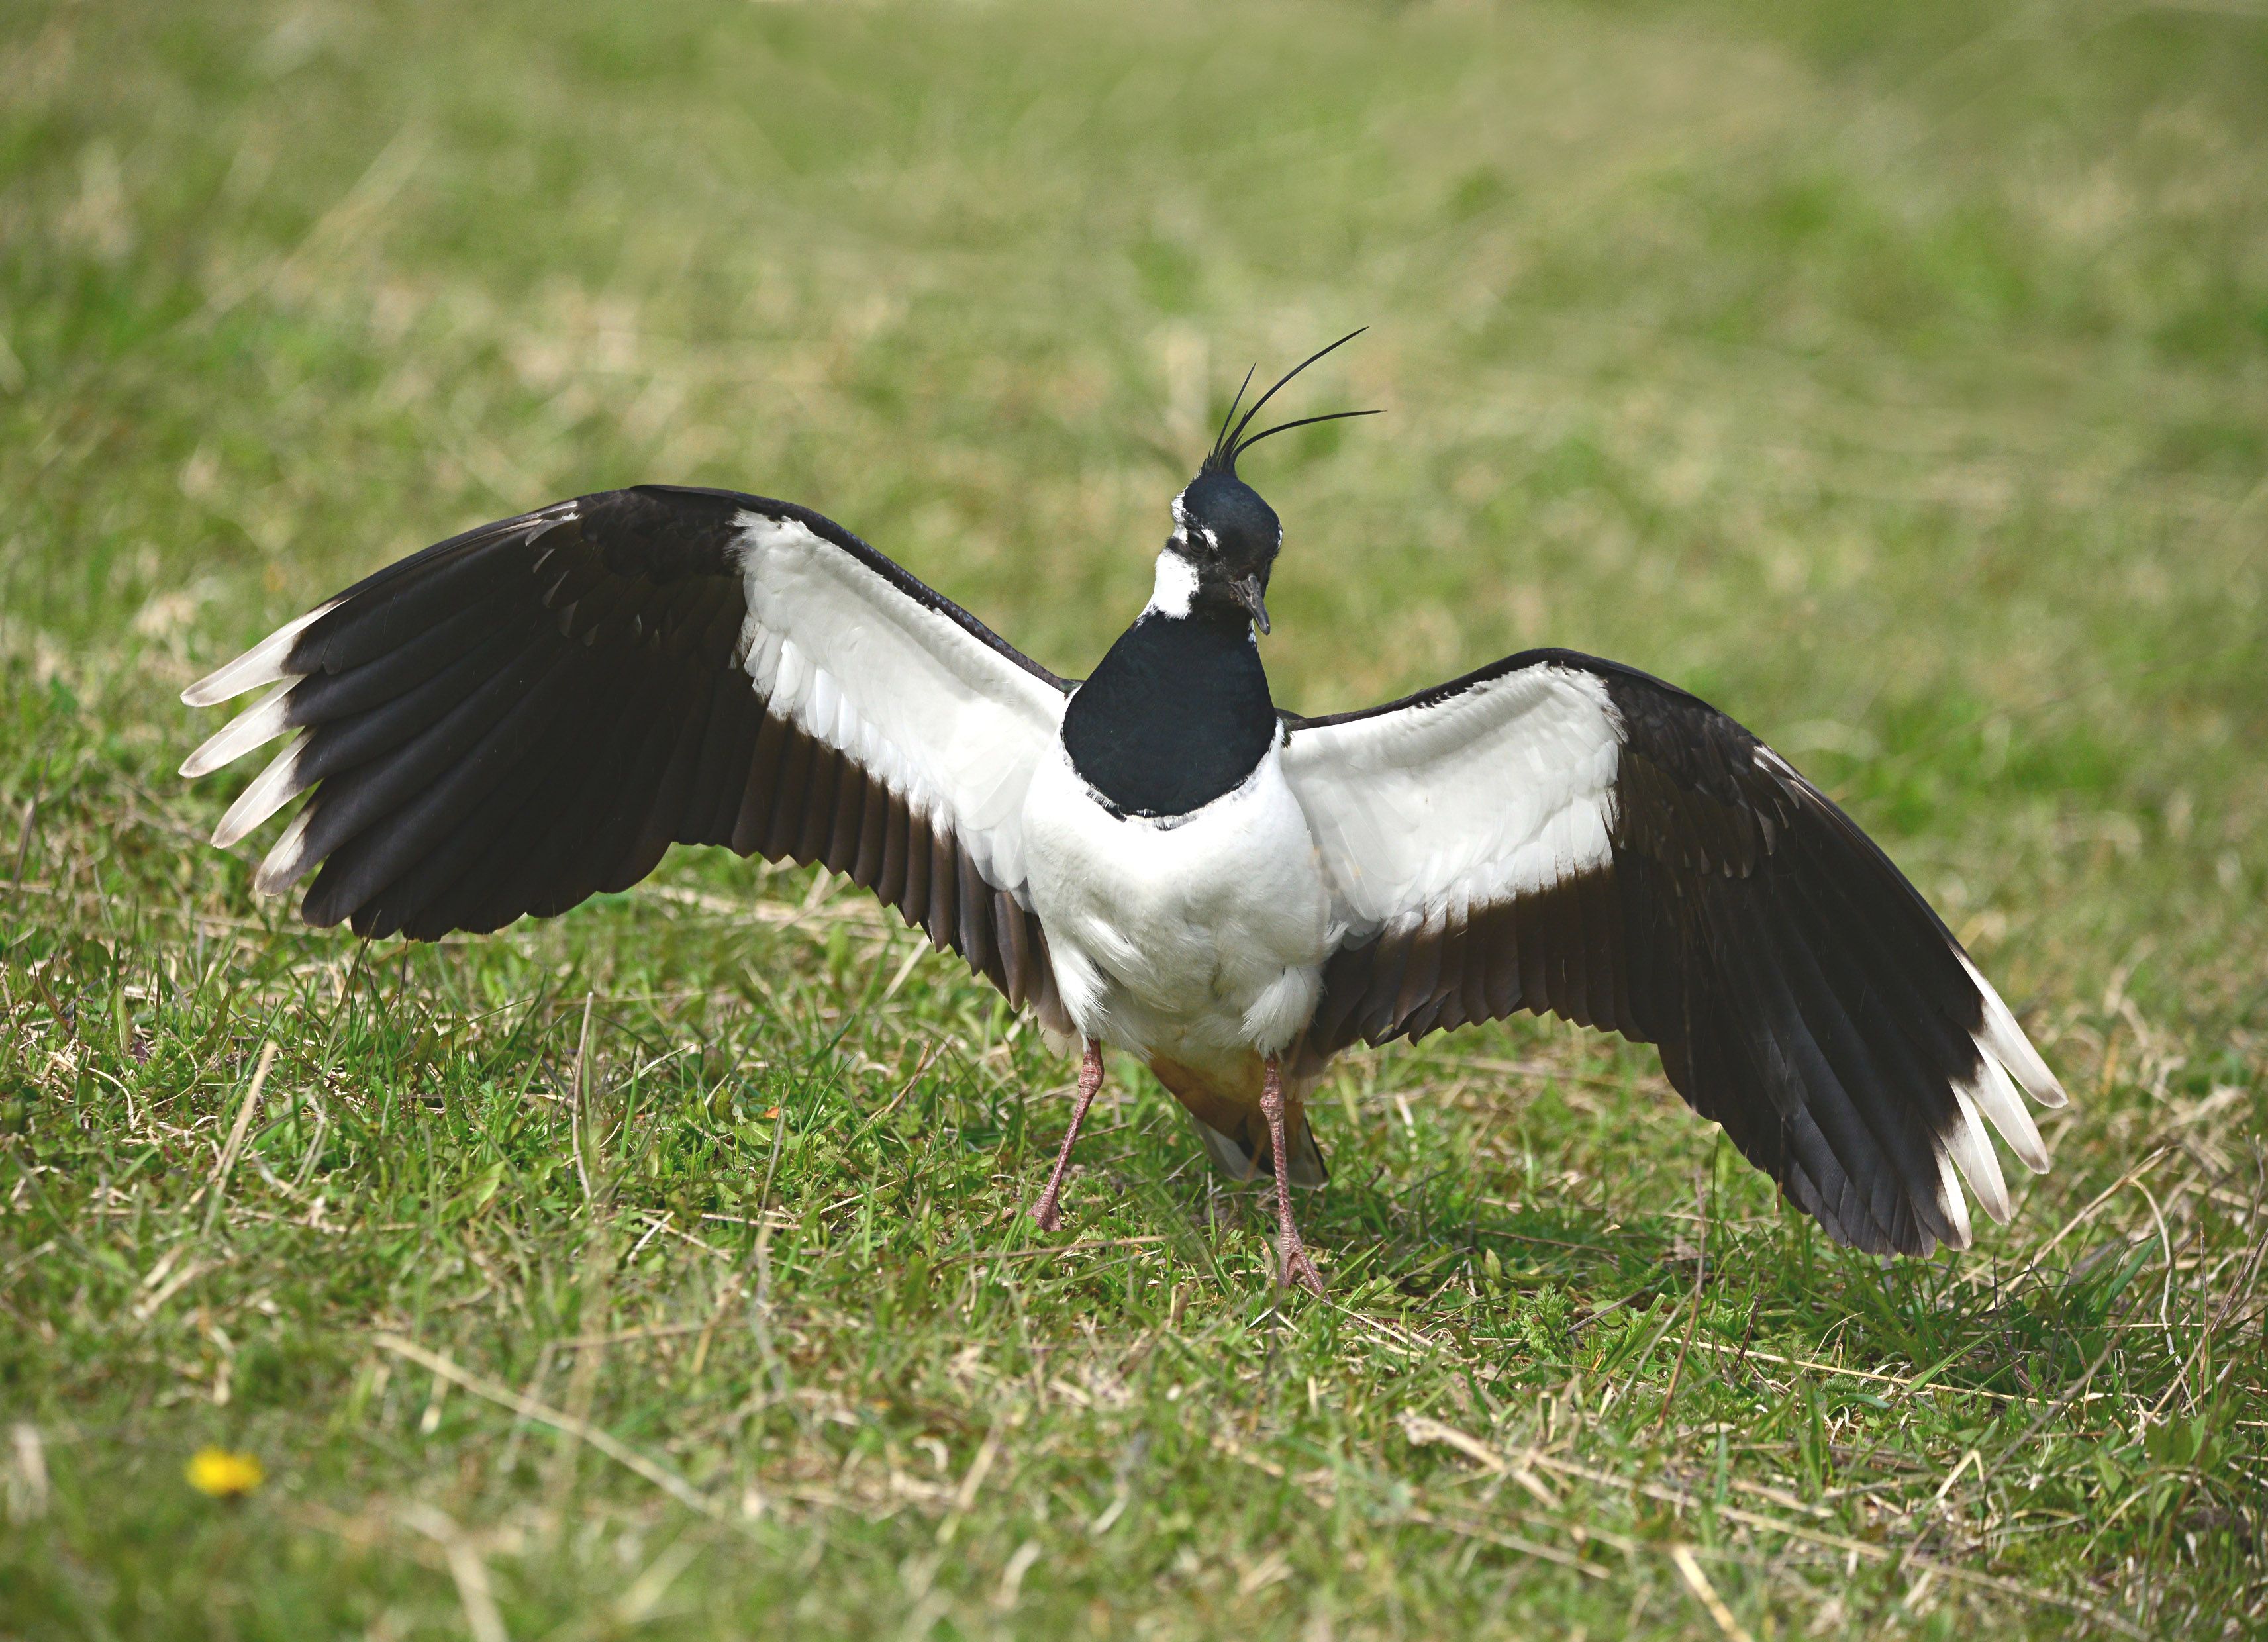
(1894,376)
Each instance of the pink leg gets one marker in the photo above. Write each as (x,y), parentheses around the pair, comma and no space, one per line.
(1047,1213)
(1291,1260)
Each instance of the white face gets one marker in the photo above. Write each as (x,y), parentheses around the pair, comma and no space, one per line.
(1176,585)
(1218,554)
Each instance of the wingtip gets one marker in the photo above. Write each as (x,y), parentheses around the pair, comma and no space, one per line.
(285,863)
(1971,1150)
(1952,1201)
(269,791)
(255,727)
(212,689)
(262,664)
(1994,1094)
(2000,1036)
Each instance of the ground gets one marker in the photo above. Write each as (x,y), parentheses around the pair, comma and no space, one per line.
(1897,377)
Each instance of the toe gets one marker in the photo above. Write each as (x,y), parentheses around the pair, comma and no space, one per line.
(1299,1270)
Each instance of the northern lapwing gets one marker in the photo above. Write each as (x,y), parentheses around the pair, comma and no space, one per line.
(1159,858)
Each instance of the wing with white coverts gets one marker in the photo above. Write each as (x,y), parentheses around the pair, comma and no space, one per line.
(1563,835)
(532,712)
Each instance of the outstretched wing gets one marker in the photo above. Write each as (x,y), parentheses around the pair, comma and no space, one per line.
(533,711)
(1557,833)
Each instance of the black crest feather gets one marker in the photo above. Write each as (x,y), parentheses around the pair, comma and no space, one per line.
(1229,444)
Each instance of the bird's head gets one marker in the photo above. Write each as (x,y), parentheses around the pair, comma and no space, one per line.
(1226,538)
(1224,544)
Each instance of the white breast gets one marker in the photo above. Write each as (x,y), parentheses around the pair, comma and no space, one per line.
(1201,938)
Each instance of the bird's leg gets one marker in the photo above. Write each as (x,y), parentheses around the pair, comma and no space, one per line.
(1291,1260)
(1047,1213)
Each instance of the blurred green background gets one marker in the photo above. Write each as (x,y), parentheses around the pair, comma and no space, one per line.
(1895,377)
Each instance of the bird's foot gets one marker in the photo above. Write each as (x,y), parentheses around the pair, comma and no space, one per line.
(1295,1268)
(1045,1213)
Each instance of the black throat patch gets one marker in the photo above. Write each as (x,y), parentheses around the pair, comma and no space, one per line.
(1177,714)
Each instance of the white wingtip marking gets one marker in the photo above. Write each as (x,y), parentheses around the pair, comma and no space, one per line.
(2004,1059)
(1969,1148)
(1997,1098)
(262,664)
(1951,1201)
(255,726)
(2005,1041)
(287,861)
(270,790)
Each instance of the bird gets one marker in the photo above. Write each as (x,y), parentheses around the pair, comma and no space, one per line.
(1156,858)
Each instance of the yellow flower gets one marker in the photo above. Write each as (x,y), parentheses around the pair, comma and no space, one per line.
(223,1474)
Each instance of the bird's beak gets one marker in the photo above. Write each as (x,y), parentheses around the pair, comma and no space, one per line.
(1246,591)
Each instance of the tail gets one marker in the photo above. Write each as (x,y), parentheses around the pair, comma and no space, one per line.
(1243,1153)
